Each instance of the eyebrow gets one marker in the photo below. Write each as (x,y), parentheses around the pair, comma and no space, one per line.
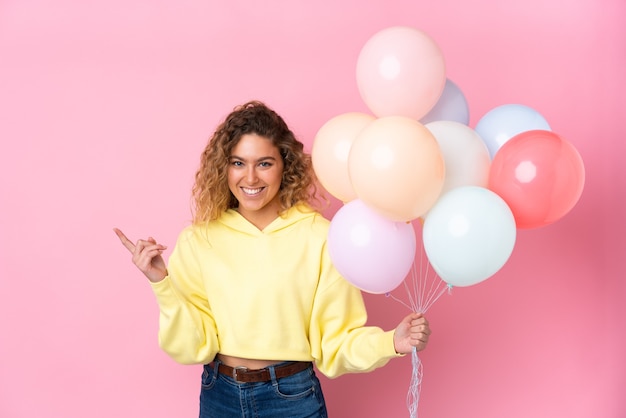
(235,157)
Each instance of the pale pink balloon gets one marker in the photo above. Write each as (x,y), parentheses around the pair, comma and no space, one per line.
(331,148)
(400,71)
(396,167)
(372,252)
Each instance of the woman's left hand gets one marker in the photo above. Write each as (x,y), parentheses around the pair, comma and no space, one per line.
(413,331)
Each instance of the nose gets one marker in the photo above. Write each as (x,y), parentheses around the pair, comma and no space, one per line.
(251,176)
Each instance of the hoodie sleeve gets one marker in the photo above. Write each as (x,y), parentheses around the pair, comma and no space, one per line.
(187,330)
(340,341)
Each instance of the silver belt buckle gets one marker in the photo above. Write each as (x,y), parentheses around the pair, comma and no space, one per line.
(238,369)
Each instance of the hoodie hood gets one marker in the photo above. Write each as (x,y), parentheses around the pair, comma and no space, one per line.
(234,220)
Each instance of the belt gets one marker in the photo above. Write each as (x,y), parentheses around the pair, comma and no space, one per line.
(245,375)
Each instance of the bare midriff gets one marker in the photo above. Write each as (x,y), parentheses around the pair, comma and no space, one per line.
(251,364)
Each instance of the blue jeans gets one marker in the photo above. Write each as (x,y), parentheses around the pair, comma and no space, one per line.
(295,396)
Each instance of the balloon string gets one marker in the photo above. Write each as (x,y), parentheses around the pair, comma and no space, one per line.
(434,296)
(423,303)
(389,295)
(412,397)
(423,291)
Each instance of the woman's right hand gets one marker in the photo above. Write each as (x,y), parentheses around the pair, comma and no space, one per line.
(147,256)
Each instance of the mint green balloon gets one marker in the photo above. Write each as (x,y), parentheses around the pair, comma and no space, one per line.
(468,235)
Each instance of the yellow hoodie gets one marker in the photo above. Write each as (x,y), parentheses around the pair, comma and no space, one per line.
(271,295)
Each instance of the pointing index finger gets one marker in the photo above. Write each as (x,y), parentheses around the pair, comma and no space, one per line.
(125,241)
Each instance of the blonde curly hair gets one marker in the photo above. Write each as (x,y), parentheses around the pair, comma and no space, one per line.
(211,195)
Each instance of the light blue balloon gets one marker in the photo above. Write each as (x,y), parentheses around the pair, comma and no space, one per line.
(502,123)
(468,235)
(452,106)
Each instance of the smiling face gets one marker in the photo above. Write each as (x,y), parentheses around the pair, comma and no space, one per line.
(255,171)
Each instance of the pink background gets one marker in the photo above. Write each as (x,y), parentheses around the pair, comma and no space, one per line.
(105,107)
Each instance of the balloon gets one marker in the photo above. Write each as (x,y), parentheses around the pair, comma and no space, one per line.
(370,251)
(540,176)
(330,152)
(468,235)
(452,106)
(465,154)
(396,167)
(400,71)
(504,122)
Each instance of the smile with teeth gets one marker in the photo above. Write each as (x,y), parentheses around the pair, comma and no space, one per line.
(252,192)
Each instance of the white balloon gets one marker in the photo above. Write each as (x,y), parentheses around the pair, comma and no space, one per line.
(465,155)
(502,123)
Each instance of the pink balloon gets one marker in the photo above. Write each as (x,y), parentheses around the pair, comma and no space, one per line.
(372,252)
(400,71)
(539,175)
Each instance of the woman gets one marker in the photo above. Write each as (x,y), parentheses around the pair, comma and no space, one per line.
(250,290)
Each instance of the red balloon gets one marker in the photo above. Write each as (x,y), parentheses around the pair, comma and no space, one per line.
(539,175)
